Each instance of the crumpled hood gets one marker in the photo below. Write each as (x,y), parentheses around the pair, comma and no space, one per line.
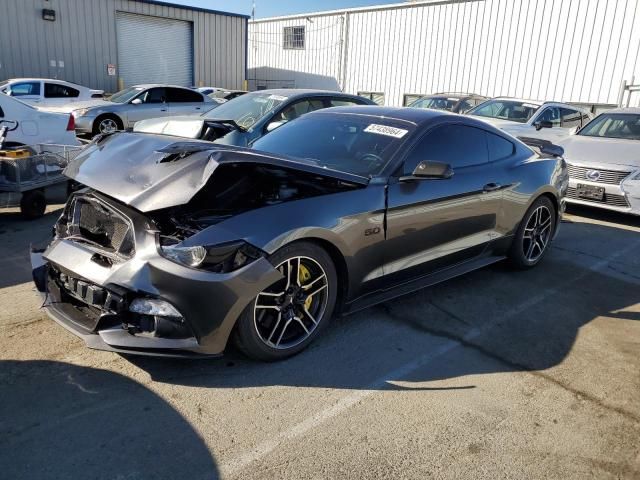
(186,126)
(70,107)
(151,172)
(601,151)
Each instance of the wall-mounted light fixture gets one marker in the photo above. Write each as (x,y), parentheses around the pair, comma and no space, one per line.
(48,14)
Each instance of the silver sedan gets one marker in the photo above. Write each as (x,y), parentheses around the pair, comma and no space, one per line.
(136,103)
(604,162)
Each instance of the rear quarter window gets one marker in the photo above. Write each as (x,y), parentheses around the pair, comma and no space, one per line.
(499,147)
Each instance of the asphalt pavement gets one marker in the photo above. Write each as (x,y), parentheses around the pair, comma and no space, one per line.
(497,374)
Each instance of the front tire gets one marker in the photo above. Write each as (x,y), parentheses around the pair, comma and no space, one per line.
(286,317)
(534,234)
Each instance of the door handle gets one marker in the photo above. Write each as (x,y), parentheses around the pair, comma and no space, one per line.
(197,108)
(163,109)
(491,187)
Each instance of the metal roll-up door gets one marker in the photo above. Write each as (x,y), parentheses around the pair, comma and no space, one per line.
(154,50)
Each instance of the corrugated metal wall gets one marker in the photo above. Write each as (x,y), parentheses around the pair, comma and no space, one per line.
(83,38)
(568,50)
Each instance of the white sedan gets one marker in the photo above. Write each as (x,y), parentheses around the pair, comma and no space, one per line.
(35,126)
(604,162)
(47,92)
(530,118)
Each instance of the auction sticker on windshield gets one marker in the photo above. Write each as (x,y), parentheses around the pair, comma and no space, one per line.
(386,130)
(280,98)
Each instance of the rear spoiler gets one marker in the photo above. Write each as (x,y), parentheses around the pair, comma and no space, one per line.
(544,146)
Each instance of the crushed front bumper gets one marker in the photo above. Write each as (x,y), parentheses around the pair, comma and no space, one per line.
(99,314)
(91,297)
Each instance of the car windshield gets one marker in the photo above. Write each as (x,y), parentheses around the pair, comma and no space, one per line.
(436,103)
(246,110)
(613,125)
(123,96)
(348,143)
(511,110)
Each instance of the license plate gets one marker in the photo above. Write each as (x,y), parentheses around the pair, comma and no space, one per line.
(590,192)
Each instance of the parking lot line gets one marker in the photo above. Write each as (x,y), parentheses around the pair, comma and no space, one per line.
(233,467)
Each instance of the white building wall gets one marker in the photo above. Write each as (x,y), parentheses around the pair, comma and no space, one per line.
(568,50)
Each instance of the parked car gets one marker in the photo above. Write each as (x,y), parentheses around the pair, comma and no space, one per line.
(179,245)
(452,102)
(246,118)
(220,93)
(604,162)
(123,109)
(34,126)
(530,118)
(47,91)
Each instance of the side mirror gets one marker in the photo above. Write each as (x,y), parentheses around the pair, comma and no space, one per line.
(428,169)
(136,101)
(543,124)
(273,125)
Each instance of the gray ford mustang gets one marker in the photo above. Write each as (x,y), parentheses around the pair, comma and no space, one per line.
(177,246)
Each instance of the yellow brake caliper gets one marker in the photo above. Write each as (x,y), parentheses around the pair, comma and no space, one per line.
(304,275)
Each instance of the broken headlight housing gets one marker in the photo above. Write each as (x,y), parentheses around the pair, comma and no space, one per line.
(221,258)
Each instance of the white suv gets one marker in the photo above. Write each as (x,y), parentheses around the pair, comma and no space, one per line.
(529,118)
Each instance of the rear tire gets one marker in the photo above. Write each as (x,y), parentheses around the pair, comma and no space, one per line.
(33,204)
(534,235)
(106,124)
(292,312)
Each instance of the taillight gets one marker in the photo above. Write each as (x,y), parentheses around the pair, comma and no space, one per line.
(71,124)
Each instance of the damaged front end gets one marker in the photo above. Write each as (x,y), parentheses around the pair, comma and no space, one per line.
(145,260)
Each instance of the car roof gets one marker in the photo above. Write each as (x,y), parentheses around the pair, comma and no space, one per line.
(451,94)
(303,92)
(516,99)
(629,110)
(152,85)
(36,79)
(416,116)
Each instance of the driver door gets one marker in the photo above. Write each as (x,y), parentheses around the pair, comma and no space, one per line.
(435,223)
(154,104)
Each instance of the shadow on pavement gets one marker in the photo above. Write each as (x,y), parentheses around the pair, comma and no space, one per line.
(519,333)
(604,215)
(63,421)
(16,235)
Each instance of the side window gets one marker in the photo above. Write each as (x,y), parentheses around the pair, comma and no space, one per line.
(344,102)
(182,95)
(465,106)
(299,108)
(54,90)
(550,114)
(570,118)
(154,95)
(1,113)
(409,98)
(377,97)
(25,88)
(499,147)
(458,145)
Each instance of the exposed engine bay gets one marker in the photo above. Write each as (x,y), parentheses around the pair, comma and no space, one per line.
(237,188)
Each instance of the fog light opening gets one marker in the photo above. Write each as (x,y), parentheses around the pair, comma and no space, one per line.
(156,308)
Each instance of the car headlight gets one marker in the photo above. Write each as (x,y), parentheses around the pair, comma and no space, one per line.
(80,112)
(222,258)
